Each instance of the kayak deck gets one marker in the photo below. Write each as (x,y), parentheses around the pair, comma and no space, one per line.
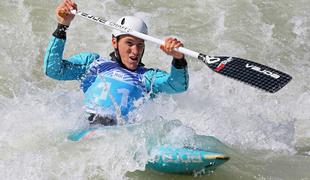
(169,159)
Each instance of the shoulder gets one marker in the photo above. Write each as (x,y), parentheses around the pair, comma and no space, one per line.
(102,64)
(102,61)
(84,58)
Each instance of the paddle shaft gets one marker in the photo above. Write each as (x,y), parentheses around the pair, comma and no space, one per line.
(113,25)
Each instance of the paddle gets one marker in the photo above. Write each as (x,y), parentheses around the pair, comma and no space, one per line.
(249,72)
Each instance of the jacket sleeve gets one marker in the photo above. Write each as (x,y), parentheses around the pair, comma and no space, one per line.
(158,81)
(73,68)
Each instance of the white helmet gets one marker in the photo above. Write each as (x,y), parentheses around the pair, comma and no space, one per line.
(132,22)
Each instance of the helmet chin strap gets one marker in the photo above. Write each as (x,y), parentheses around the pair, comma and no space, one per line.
(117,55)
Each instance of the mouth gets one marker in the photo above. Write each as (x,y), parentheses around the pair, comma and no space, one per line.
(134,59)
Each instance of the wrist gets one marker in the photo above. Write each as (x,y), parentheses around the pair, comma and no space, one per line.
(179,63)
(63,19)
(181,56)
(63,22)
(61,30)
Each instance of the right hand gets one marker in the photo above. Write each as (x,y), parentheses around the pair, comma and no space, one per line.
(63,12)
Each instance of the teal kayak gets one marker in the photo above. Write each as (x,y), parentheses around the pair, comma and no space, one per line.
(185,160)
(169,159)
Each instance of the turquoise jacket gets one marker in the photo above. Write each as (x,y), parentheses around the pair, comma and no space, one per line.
(84,67)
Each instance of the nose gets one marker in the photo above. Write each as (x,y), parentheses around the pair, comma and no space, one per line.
(135,49)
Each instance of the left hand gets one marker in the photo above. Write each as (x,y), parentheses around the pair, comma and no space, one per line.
(170,44)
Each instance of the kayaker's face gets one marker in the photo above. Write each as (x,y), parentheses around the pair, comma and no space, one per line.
(130,49)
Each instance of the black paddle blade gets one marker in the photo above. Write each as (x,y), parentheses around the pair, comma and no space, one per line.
(252,73)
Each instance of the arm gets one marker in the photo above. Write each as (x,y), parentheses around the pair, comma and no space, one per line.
(158,81)
(55,66)
(73,68)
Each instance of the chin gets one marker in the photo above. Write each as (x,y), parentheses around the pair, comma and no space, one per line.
(132,67)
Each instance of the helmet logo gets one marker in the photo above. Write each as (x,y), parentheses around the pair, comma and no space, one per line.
(123,21)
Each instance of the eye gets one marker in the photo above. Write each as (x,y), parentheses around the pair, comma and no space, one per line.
(141,45)
(129,43)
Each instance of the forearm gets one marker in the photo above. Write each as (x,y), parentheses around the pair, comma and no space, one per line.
(159,81)
(177,80)
(53,62)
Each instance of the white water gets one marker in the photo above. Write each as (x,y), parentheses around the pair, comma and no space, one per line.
(268,135)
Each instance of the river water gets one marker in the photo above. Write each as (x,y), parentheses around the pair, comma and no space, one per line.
(266,135)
